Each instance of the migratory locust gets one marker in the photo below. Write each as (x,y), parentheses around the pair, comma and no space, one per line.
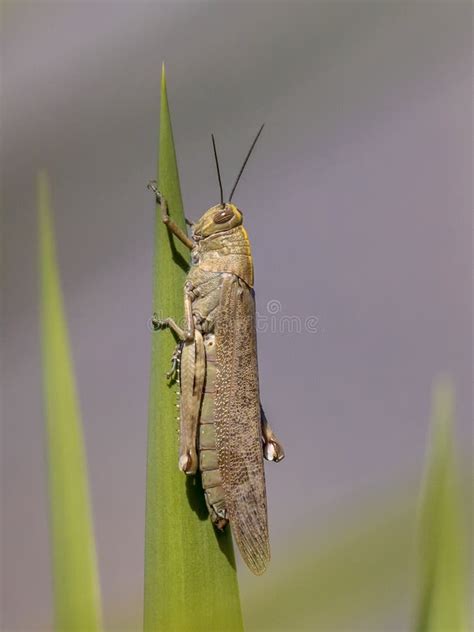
(223,430)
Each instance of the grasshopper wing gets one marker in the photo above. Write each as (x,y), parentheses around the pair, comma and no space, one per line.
(238,423)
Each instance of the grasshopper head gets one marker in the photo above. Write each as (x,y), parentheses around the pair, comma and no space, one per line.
(222,217)
(218,219)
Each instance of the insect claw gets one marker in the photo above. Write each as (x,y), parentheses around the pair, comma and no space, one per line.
(156,323)
(152,186)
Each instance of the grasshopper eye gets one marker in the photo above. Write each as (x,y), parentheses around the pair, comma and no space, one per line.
(221,217)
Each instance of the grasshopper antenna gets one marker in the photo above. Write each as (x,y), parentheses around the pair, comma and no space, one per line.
(218,170)
(245,162)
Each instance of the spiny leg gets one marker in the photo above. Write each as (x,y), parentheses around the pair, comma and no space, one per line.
(175,361)
(192,358)
(193,371)
(192,376)
(272,448)
(189,296)
(172,226)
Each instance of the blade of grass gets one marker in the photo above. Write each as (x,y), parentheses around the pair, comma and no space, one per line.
(352,579)
(75,579)
(442,602)
(190,577)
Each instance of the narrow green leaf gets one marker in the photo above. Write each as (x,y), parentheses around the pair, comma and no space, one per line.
(190,577)
(76,586)
(442,602)
(352,579)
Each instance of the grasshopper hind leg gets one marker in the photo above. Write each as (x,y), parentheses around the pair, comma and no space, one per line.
(192,376)
(272,448)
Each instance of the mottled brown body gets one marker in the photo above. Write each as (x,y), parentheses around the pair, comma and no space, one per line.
(223,430)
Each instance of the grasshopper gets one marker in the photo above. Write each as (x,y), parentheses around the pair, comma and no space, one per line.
(223,430)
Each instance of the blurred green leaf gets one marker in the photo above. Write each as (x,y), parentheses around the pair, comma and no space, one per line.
(352,579)
(190,577)
(442,603)
(76,586)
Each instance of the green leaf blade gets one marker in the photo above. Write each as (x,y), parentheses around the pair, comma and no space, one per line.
(190,576)
(335,585)
(442,601)
(75,576)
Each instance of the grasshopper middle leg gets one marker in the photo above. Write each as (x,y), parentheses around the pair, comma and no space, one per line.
(186,335)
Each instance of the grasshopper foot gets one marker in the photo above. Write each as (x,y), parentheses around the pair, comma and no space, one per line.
(165,216)
(158,324)
(153,186)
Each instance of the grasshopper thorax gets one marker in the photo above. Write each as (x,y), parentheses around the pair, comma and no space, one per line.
(218,219)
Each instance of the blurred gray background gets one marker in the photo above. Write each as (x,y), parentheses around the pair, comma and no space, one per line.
(358,204)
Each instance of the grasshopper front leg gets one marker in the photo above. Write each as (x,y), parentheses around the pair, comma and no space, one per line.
(172,226)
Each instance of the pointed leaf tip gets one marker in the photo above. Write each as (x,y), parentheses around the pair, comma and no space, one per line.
(42,187)
(74,566)
(443,402)
(188,580)
(441,602)
(163,76)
